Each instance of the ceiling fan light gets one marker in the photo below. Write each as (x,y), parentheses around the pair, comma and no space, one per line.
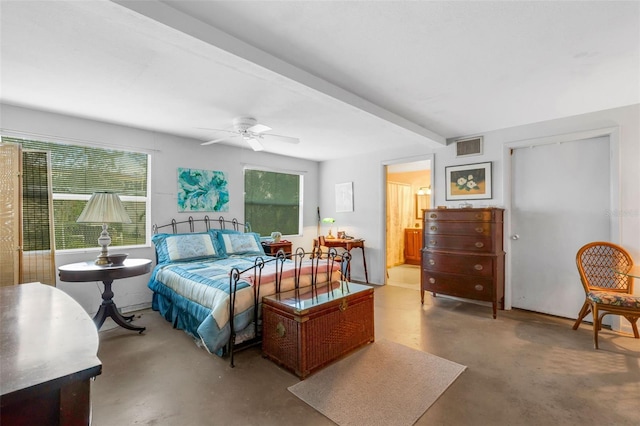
(258,128)
(251,131)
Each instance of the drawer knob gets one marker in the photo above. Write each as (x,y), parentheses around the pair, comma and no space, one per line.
(478,215)
(478,267)
(432,262)
(432,242)
(479,287)
(479,230)
(432,280)
(434,228)
(479,244)
(433,216)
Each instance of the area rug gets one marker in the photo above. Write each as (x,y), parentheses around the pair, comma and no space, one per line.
(384,383)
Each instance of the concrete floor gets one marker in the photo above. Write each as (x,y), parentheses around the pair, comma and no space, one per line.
(407,276)
(523,369)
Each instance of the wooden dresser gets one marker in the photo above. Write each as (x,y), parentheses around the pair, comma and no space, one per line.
(463,254)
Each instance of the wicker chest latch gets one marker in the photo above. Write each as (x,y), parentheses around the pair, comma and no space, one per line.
(343,305)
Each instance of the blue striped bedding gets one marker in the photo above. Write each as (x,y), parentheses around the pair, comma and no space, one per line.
(194,296)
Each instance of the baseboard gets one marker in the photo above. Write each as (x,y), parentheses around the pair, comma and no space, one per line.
(138,307)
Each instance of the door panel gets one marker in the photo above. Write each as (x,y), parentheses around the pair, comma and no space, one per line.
(560,199)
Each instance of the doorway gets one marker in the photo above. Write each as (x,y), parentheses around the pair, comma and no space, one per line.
(408,191)
(559,198)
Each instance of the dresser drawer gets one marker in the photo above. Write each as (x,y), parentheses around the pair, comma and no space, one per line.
(459,228)
(477,288)
(461,215)
(458,263)
(479,244)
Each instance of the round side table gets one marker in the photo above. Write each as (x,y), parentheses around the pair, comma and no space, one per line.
(89,271)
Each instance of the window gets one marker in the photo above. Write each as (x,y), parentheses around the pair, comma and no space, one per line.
(76,173)
(272,202)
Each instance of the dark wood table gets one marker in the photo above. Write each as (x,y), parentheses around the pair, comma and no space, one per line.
(48,355)
(89,271)
(348,244)
(272,248)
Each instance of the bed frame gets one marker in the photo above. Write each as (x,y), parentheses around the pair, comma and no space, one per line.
(255,271)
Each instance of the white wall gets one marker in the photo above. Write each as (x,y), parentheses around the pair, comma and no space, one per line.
(167,154)
(366,172)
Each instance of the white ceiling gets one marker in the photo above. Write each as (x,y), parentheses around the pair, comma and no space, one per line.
(344,77)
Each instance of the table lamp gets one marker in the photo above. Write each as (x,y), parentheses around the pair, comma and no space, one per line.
(329,220)
(104,208)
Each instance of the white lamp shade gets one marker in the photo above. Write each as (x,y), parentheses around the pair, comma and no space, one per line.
(104,207)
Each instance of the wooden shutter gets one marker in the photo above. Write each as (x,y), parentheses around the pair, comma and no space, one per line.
(10,219)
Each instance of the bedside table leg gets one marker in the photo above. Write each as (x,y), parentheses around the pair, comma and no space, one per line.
(108,309)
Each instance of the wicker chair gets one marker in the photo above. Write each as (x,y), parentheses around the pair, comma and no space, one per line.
(607,292)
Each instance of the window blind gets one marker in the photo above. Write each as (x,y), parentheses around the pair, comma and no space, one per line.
(79,171)
(272,201)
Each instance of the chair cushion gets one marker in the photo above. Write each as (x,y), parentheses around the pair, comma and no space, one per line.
(615,299)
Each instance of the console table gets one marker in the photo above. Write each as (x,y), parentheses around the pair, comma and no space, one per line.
(47,357)
(347,244)
(89,271)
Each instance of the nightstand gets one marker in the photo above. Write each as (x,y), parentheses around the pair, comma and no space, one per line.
(271,248)
(89,271)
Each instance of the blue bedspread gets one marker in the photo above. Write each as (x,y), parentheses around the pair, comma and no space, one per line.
(194,296)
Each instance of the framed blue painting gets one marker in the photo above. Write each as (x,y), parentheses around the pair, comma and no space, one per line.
(202,191)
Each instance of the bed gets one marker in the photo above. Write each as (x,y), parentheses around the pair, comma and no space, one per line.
(210,282)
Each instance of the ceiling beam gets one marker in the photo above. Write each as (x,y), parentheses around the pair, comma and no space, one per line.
(193,27)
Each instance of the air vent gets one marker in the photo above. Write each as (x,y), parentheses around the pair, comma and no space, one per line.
(471,146)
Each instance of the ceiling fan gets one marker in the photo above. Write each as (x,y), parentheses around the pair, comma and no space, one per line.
(252,132)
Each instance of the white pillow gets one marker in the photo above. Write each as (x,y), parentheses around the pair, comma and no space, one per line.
(241,243)
(190,246)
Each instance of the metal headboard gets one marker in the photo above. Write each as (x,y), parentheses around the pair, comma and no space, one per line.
(222,224)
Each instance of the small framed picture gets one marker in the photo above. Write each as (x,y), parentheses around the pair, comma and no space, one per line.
(344,197)
(468,182)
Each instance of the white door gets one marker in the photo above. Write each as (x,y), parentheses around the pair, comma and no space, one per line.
(560,201)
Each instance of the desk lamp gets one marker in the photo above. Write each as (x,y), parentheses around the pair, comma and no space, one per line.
(329,220)
(104,208)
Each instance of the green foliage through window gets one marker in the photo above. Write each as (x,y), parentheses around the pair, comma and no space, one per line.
(272,202)
(76,173)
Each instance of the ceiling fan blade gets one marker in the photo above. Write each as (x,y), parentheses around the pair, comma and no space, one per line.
(255,144)
(216,130)
(280,138)
(258,128)
(226,138)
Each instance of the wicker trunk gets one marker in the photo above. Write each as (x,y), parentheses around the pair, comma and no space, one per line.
(305,332)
